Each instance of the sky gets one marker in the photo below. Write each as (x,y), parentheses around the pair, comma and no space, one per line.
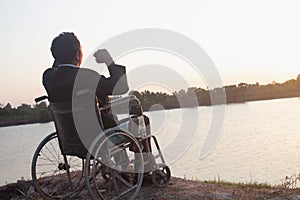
(248,41)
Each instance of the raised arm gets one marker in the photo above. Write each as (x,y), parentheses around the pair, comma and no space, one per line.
(117,83)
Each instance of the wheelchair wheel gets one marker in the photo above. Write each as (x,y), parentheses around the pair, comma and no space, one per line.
(116,172)
(161,176)
(55,176)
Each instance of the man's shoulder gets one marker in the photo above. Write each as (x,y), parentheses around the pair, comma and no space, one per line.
(69,72)
(59,70)
(87,75)
(47,72)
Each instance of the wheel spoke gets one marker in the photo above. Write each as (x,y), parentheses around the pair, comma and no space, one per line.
(126,191)
(46,166)
(53,162)
(54,156)
(123,180)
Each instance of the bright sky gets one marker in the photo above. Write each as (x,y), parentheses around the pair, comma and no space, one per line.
(249,41)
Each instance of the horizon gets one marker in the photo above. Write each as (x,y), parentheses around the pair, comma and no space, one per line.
(154,91)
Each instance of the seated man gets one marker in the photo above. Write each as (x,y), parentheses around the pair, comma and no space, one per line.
(60,79)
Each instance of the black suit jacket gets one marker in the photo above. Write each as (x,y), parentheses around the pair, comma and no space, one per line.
(59,82)
(62,83)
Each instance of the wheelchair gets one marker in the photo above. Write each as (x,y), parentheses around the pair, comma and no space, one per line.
(111,167)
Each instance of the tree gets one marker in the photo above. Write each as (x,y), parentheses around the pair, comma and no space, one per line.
(4,114)
(43,115)
(24,107)
(242,85)
(43,104)
(8,106)
(137,94)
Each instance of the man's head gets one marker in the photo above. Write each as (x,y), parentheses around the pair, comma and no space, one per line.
(66,49)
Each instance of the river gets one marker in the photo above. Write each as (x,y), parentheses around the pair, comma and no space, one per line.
(258,142)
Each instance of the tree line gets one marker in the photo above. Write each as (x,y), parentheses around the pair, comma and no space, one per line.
(190,97)
(24,114)
(239,93)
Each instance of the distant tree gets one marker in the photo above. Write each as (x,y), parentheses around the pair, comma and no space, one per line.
(24,107)
(43,104)
(137,94)
(43,115)
(8,106)
(292,81)
(298,82)
(183,98)
(181,92)
(242,85)
(228,87)
(4,114)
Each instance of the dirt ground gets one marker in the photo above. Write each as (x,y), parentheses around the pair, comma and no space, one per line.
(177,189)
(186,189)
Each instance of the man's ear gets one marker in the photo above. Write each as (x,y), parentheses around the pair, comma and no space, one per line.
(77,56)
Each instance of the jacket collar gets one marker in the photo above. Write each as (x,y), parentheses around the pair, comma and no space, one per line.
(67,65)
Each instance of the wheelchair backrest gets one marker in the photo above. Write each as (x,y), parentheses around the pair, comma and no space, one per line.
(71,120)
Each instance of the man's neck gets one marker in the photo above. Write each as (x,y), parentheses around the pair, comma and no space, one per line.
(58,64)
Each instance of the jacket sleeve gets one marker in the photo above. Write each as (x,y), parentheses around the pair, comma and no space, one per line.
(116,84)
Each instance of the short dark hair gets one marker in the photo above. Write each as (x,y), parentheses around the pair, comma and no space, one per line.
(64,47)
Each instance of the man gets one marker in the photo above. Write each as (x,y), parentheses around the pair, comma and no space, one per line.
(60,79)
(66,78)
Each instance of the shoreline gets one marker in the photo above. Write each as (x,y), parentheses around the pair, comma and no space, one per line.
(178,188)
(25,122)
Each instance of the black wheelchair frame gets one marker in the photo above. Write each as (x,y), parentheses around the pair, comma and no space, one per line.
(109,170)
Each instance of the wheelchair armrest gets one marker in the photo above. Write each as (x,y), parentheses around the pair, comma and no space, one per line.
(123,100)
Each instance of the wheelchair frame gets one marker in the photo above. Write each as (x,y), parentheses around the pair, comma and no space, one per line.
(101,169)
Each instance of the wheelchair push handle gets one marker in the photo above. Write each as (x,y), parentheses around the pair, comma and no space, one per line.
(41,98)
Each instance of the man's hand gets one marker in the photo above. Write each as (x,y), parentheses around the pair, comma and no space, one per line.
(102,56)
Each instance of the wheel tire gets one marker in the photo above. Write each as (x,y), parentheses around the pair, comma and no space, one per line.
(161,176)
(52,177)
(121,181)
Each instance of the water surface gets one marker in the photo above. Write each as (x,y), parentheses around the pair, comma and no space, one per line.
(260,141)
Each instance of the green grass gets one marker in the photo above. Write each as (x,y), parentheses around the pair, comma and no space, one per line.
(253,185)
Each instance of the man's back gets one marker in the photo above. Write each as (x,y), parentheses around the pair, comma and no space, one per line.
(59,82)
